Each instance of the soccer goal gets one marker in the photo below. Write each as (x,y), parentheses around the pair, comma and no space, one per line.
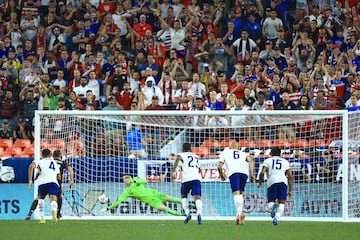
(101,146)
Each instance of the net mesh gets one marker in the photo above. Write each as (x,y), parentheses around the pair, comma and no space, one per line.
(102,147)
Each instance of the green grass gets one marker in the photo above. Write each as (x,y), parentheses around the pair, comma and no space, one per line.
(175,230)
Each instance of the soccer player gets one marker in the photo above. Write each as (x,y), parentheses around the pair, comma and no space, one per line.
(46,178)
(153,198)
(279,182)
(239,166)
(62,165)
(191,176)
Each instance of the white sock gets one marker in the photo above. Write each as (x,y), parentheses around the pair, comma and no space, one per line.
(54,206)
(270,206)
(41,208)
(198,204)
(185,205)
(280,210)
(239,203)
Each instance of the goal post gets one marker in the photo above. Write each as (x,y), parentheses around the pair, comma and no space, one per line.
(102,146)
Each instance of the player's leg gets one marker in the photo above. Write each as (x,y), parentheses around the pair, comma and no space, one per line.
(42,192)
(33,206)
(157,204)
(184,190)
(235,183)
(196,192)
(59,202)
(282,193)
(53,193)
(272,194)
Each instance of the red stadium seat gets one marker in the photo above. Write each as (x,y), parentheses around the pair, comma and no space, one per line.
(201,151)
(12,152)
(210,143)
(281,143)
(299,143)
(23,143)
(6,143)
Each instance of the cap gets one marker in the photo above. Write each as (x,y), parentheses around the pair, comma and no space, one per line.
(111,97)
(155,97)
(20,120)
(269,103)
(117,65)
(5,121)
(328,152)
(194,34)
(198,97)
(332,88)
(61,99)
(2,68)
(285,69)
(11,49)
(90,104)
(268,42)
(276,48)
(150,78)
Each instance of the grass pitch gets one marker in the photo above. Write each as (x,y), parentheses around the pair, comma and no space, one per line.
(175,230)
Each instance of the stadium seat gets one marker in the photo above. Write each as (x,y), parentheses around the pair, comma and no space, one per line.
(29,151)
(281,143)
(201,151)
(6,143)
(23,143)
(57,144)
(226,143)
(246,143)
(2,149)
(317,143)
(12,152)
(264,143)
(210,143)
(299,143)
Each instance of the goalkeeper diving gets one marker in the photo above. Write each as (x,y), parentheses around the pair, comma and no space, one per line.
(148,195)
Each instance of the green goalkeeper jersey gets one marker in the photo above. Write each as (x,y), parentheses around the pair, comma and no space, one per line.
(136,190)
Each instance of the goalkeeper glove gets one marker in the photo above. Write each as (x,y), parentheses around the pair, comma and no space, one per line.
(102,210)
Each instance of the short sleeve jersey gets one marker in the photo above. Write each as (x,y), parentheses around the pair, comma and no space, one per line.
(277,167)
(234,161)
(48,169)
(190,165)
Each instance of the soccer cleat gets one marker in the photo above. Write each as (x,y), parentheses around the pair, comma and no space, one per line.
(188,218)
(53,216)
(27,217)
(199,220)
(237,220)
(59,215)
(275,221)
(273,211)
(192,206)
(42,221)
(242,218)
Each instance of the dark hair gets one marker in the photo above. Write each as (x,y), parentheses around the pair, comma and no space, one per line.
(56,153)
(45,152)
(275,151)
(186,147)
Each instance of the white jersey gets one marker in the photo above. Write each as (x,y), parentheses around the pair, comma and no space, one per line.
(276,167)
(190,166)
(234,161)
(49,169)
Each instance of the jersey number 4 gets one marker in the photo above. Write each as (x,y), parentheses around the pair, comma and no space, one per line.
(52,166)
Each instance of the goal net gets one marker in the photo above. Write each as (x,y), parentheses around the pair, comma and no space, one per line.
(102,146)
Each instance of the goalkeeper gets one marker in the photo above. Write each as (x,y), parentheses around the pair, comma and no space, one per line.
(151,196)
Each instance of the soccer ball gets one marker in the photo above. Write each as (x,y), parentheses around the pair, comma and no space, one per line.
(103,199)
(7,173)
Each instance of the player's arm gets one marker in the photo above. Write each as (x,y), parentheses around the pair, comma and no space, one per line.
(221,172)
(176,163)
(290,181)
(261,177)
(71,174)
(139,180)
(30,173)
(122,197)
(250,160)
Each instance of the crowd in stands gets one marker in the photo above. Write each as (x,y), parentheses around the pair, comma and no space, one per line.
(177,55)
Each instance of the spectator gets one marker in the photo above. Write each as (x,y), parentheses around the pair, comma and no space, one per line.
(5,131)
(166,169)
(168,87)
(29,104)
(328,169)
(243,47)
(21,131)
(136,141)
(151,89)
